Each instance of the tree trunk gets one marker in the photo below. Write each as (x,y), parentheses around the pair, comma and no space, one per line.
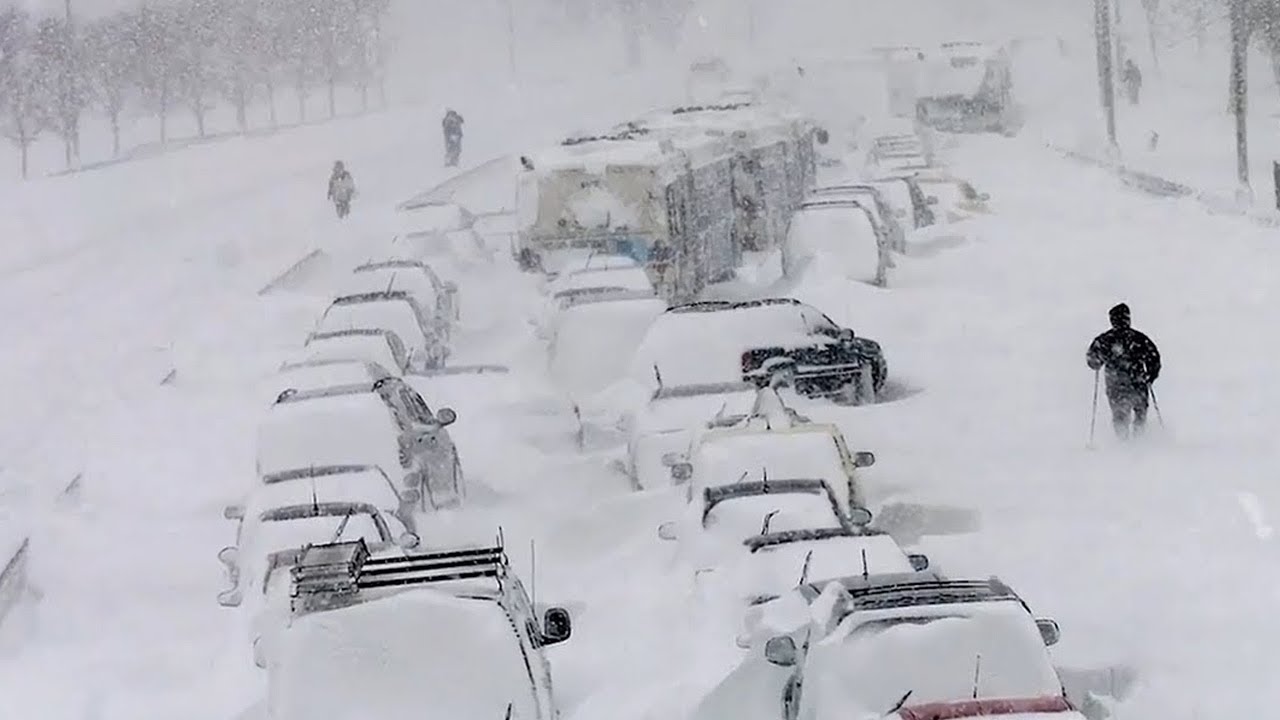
(333,99)
(23,145)
(198,109)
(302,99)
(115,132)
(242,110)
(66,148)
(271,102)
(364,96)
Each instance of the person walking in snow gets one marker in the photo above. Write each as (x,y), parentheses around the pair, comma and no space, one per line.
(1131,76)
(342,188)
(452,125)
(662,268)
(1132,363)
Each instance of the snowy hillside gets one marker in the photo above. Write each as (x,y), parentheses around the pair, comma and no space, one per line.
(141,352)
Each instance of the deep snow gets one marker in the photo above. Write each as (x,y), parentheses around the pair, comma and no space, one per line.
(1154,556)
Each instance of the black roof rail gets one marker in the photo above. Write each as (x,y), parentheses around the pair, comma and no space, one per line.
(370,296)
(786,537)
(333,575)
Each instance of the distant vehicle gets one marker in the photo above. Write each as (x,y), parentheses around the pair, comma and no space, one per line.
(843,230)
(873,199)
(725,515)
(721,341)
(968,88)
(386,423)
(412,282)
(452,632)
(381,347)
(914,646)
(759,451)
(318,374)
(295,508)
(957,199)
(899,152)
(448,304)
(397,311)
(908,200)
(664,424)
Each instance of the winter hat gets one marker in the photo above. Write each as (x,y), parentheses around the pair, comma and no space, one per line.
(1119,315)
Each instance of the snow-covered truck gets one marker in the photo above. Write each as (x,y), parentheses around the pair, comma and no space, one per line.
(449,634)
(705,182)
(968,87)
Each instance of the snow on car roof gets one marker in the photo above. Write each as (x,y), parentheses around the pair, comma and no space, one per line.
(871,660)
(832,557)
(376,280)
(353,429)
(350,483)
(728,456)
(595,342)
(691,347)
(668,392)
(326,374)
(419,653)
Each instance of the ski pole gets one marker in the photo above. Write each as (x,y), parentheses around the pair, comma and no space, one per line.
(1156,405)
(1093,419)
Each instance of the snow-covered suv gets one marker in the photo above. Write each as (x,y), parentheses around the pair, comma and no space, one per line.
(449,634)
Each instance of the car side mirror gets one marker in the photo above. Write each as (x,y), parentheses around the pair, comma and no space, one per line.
(862,459)
(1049,631)
(230,598)
(919,562)
(681,472)
(233,512)
(229,556)
(409,496)
(846,335)
(860,516)
(557,626)
(671,459)
(446,416)
(667,531)
(781,651)
(408,541)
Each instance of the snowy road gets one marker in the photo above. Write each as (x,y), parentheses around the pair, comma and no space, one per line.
(1153,556)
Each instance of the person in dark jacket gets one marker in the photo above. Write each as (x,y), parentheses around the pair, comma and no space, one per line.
(452,125)
(342,188)
(1132,363)
(1131,76)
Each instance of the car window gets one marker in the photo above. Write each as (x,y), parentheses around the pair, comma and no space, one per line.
(416,406)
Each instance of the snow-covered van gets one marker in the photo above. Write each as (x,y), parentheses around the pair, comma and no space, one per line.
(448,634)
(706,183)
(967,87)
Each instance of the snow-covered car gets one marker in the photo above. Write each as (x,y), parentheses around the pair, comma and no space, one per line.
(725,515)
(318,374)
(761,450)
(874,201)
(721,341)
(412,283)
(386,423)
(397,311)
(913,647)
(298,507)
(448,304)
(895,153)
(665,424)
(624,278)
(448,634)
(957,199)
(841,232)
(382,347)
(593,338)
(909,203)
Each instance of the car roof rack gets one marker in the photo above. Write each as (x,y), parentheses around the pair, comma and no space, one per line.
(333,575)
(787,537)
(371,296)
(712,108)
(913,591)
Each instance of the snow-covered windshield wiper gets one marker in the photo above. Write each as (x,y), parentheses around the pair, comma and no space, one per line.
(342,526)
(898,705)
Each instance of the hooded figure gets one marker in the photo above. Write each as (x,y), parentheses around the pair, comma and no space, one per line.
(452,126)
(1132,363)
(341,189)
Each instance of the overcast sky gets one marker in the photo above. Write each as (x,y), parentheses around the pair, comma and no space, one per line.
(84,8)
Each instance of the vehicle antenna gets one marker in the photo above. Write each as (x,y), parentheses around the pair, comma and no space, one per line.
(390,281)
(508,711)
(764,476)
(977,669)
(533,572)
(804,571)
(865,572)
(315,500)
(658,375)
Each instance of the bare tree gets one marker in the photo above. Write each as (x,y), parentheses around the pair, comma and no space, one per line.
(154,41)
(238,38)
(111,68)
(58,59)
(193,56)
(25,110)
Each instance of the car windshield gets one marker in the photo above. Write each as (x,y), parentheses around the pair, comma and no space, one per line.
(276,535)
(739,518)
(733,458)
(868,667)
(394,315)
(375,348)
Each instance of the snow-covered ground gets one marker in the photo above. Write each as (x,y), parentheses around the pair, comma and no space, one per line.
(1154,556)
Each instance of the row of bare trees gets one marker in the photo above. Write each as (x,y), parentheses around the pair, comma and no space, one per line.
(188,55)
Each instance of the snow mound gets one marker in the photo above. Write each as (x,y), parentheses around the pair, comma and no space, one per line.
(595,342)
(414,655)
